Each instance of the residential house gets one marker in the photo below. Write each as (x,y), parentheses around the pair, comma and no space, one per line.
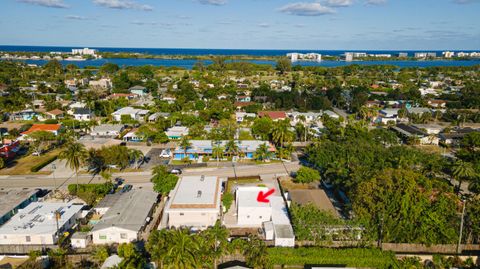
(437,103)
(274,115)
(203,148)
(430,129)
(243,98)
(155,116)
(107,130)
(169,98)
(55,114)
(27,115)
(134,113)
(408,132)
(9,149)
(80,240)
(40,223)
(456,136)
(138,90)
(104,83)
(53,128)
(128,96)
(387,115)
(83,114)
(418,110)
(14,199)
(240,116)
(124,221)
(272,215)
(177,132)
(133,136)
(194,202)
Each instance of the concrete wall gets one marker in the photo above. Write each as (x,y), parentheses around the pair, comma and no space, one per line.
(254,216)
(196,219)
(113,235)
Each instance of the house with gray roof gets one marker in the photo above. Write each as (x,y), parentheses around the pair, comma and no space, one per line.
(126,218)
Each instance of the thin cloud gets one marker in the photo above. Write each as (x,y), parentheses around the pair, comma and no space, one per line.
(122,4)
(76,17)
(213,2)
(306,9)
(46,3)
(264,25)
(143,23)
(375,2)
(464,2)
(339,3)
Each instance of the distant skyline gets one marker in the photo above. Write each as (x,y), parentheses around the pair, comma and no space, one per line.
(244,24)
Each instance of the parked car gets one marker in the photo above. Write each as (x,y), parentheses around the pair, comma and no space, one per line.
(176,171)
(166,153)
(126,188)
(119,181)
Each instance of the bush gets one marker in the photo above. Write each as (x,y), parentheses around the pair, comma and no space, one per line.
(353,257)
(227,200)
(41,165)
(51,121)
(306,175)
(90,193)
(206,159)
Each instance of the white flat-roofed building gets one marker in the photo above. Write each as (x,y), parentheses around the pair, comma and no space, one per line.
(84,51)
(134,113)
(250,212)
(107,130)
(36,224)
(126,218)
(282,229)
(194,203)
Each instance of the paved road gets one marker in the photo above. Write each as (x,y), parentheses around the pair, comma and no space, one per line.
(34,181)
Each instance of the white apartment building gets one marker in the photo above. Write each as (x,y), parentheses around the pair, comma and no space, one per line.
(37,223)
(84,51)
(195,203)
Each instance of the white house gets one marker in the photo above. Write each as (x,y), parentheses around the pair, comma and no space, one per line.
(134,113)
(240,116)
(104,83)
(36,224)
(195,202)
(388,115)
(250,212)
(107,130)
(80,240)
(83,114)
(126,218)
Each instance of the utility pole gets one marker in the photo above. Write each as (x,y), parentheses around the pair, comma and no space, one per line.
(461,229)
(54,179)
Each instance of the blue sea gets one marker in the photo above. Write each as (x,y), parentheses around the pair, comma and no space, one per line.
(188,63)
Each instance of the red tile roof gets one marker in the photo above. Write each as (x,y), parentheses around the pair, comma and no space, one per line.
(274,115)
(43,127)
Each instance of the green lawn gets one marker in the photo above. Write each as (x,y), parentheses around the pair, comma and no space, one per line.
(23,164)
(351,257)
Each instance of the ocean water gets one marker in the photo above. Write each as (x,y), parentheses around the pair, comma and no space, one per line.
(188,63)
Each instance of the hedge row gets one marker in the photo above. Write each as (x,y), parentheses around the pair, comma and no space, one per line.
(41,165)
(351,257)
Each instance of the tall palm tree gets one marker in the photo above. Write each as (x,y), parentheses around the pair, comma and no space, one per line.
(183,249)
(281,132)
(135,156)
(217,240)
(462,171)
(185,144)
(255,252)
(74,155)
(232,148)
(217,152)
(263,153)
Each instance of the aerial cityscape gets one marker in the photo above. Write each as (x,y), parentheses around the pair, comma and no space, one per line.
(237,134)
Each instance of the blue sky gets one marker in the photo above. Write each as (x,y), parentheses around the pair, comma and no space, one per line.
(243,24)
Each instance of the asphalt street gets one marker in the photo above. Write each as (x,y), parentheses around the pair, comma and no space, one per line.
(48,181)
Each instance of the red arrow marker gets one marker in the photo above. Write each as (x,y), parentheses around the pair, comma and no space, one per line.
(262,197)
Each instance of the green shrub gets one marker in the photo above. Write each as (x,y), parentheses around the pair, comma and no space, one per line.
(227,200)
(41,165)
(90,193)
(206,158)
(306,175)
(352,257)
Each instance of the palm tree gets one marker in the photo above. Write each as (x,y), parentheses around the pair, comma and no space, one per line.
(281,132)
(217,240)
(232,148)
(462,170)
(157,245)
(74,155)
(135,156)
(255,252)
(263,153)
(185,145)
(182,250)
(217,152)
